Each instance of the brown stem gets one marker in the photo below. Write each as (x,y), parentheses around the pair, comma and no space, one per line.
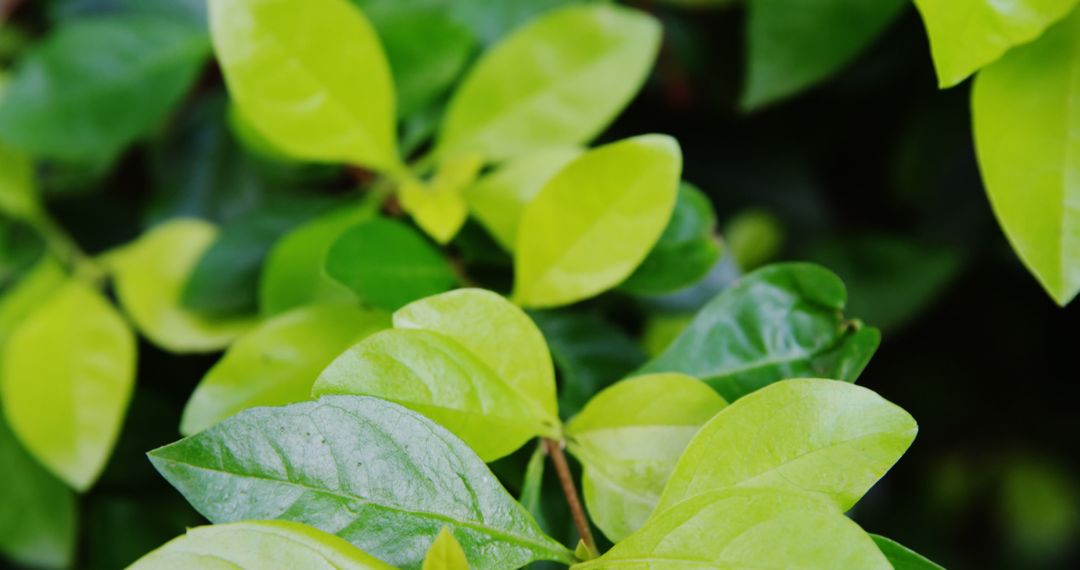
(555,451)
(7,8)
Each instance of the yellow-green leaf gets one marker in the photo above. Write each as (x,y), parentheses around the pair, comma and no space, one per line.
(18,196)
(67,375)
(258,545)
(311,77)
(278,362)
(501,335)
(966,35)
(445,553)
(150,274)
(628,439)
(1027,133)
(439,207)
(499,198)
(556,82)
(596,220)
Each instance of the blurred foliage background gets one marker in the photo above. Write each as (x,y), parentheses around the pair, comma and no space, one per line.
(871,173)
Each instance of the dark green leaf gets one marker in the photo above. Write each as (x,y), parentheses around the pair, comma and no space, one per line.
(95,86)
(782,321)
(384,478)
(193,11)
(687,249)
(388,264)
(902,557)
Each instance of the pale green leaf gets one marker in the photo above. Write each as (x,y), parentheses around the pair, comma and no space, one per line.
(150,275)
(902,557)
(66,376)
(596,220)
(629,437)
(824,437)
(388,264)
(438,206)
(383,477)
(498,199)
(746,529)
(25,296)
(1026,111)
(278,362)
(782,321)
(501,335)
(37,520)
(795,44)
(445,553)
(314,81)
(294,273)
(97,84)
(556,82)
(966,35)
(258,545)
(436,376)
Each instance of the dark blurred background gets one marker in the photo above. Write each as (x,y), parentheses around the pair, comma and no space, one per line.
(872,174)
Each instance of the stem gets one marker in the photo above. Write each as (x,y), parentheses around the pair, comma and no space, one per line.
(7,8)
(558,458)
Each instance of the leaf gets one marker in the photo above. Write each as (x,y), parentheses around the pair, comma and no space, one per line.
(294,273)
(1026,110)
(314,82)
(589,352)
(902,557)
(532,484)
(573,245)
(278,362)
(794,45)
(257,545)
(821,437)
(686,251)
(746,528)
(445,553)
(37,523)
(96,85)
(753,238)
(29,293)
(782,321)
(388,264)
(556,82)
(66,377)
(378,475)
(150,275)
(628,439)
(438,207)
(496,332)
(498,199)
(434,375)
(966,35)
(18,195)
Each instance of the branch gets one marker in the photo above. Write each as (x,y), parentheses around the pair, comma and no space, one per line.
(554,449)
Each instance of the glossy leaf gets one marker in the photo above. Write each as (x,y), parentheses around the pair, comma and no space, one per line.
(745,528)
(499,198)
(438,206)
(496,332)
(314,82)
(1026,114)
(902,557)
(436,376)
(388,264)
(294,273)
(556,82)
(824,437)
(794,45)
(782,321)
(37,521)
(278,362)
(686,251)
(66,377)
(593,223)
(628,439)
(966,35)
(150,275)
(257,545)
(445,553)
(96,85)
(378,475)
